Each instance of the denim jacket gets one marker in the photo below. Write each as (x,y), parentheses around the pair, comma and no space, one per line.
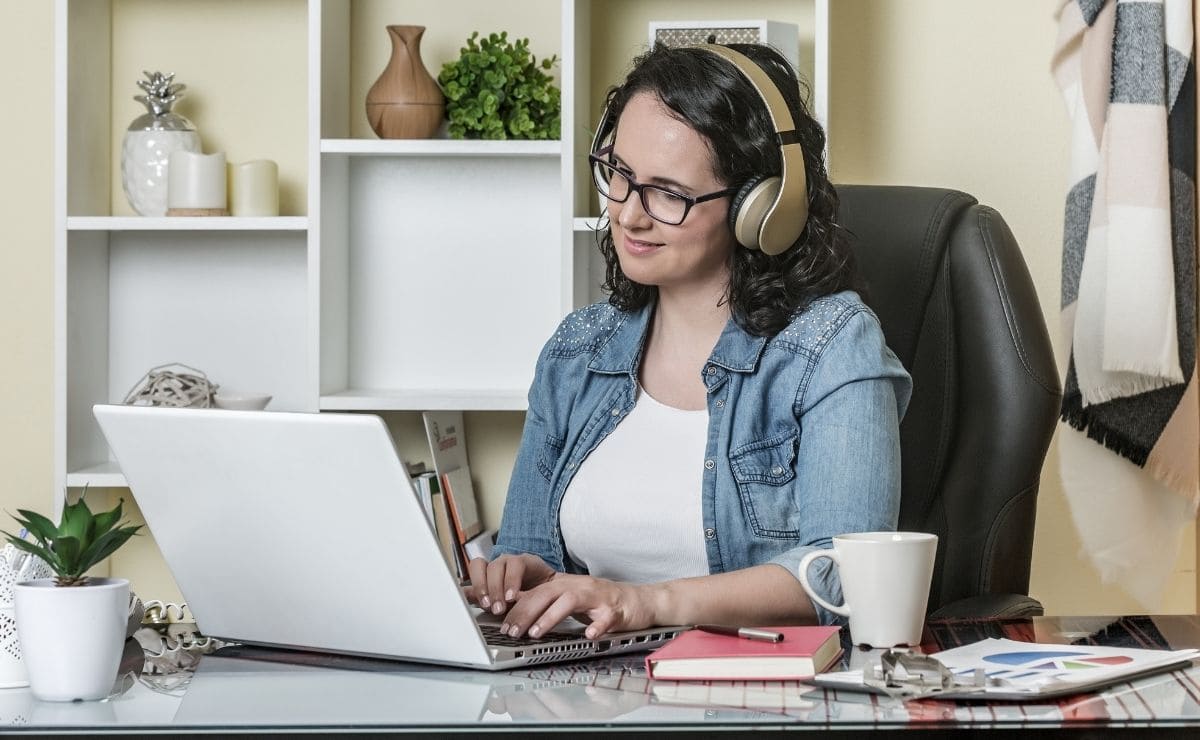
(803,434)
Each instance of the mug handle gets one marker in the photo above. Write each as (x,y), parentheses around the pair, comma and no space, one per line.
(806,561)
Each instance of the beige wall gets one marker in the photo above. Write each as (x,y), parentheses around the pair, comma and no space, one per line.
(26,256)
(927,92)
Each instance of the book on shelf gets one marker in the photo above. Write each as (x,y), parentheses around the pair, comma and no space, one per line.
(446,435)
(430,494)
(425,483)
(447,440)
(480,546)
(444,530)
(460,496)
(704,656)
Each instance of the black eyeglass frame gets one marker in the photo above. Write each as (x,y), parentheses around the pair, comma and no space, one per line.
(689,202)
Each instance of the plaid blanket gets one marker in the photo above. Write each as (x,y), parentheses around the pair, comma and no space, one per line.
(1127,76)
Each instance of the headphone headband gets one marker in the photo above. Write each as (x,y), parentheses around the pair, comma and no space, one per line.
(768,213)
(783,215)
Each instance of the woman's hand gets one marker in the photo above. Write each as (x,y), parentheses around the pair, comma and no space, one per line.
(537,598)
(496,584)
(607,605)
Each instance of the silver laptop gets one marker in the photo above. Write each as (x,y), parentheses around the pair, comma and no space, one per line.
(302,530)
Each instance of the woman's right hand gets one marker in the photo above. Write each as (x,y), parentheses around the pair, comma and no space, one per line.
(496,584)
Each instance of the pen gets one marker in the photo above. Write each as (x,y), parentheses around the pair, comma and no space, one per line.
(747,633)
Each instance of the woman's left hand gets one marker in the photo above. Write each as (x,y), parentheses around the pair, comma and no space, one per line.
(607,606)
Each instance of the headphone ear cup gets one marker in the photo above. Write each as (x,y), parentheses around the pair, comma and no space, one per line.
(749,207)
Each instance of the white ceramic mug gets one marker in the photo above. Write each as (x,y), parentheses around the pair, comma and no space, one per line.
(885,582)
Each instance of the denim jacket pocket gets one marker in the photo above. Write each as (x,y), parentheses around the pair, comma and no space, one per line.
(763,469)
(548,455)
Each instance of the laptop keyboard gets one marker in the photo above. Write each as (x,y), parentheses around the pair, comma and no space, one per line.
(493,636)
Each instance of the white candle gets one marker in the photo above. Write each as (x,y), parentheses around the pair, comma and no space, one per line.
(254,188)
(196,181)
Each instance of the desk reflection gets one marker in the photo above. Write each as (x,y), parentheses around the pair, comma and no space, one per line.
(238,692)
(256,690)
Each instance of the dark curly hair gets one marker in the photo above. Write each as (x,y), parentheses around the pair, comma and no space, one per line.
(711,96)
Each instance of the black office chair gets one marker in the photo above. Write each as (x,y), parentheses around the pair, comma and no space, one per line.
(957,305)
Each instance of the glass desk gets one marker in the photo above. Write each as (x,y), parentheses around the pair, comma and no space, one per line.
(246,690)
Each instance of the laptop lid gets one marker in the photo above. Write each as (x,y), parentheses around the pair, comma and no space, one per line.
(293,530)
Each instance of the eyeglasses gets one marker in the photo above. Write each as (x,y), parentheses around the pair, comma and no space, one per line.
(662,205)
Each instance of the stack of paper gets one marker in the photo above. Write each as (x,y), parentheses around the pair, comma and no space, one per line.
(1007,669)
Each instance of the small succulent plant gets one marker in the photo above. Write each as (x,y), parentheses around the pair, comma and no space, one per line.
(80,541)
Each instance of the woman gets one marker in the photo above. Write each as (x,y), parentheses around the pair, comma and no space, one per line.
(727,410)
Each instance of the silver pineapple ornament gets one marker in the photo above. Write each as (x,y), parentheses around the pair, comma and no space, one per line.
(149,141)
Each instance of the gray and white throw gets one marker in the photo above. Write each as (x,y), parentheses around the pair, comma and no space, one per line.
(1127,75)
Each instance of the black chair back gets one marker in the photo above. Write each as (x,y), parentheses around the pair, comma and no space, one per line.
(958,307)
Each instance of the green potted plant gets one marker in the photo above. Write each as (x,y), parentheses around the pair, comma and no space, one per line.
(497,89)
(71,627)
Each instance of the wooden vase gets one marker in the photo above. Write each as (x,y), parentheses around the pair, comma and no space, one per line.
(405,102)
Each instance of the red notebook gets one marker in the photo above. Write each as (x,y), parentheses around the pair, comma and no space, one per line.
(696,655)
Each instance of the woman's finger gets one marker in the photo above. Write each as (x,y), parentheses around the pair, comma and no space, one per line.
(530,574)
(530,605)
(477,570)
(503,569)
(556,612)
(602,622)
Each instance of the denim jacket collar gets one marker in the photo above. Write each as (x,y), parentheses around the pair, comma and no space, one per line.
(736,349)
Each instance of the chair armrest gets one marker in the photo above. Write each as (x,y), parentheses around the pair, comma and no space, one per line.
(989,606)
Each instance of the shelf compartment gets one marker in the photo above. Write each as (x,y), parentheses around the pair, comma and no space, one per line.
(424,400)
(463,301)
(234,308)
(248,110)
(441,147)
(103,475)
(186,223)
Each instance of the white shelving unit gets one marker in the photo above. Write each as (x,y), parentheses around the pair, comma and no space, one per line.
(423,275)
(186,223)
(441,148)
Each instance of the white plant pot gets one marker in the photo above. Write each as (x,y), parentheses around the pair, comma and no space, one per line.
(72,637)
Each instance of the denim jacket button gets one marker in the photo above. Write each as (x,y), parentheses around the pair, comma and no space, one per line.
(711,370)
(616,412)
(570,466)
(710,533)
(720,403)
(777,470)
(709,465)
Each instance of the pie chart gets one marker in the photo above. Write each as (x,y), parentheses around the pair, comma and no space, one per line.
(1059,660)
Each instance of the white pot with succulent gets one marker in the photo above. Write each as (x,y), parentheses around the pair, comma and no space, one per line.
(72,627)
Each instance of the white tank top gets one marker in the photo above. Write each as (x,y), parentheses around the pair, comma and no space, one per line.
(632,511)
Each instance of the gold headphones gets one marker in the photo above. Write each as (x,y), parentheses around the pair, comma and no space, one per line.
(766,213)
